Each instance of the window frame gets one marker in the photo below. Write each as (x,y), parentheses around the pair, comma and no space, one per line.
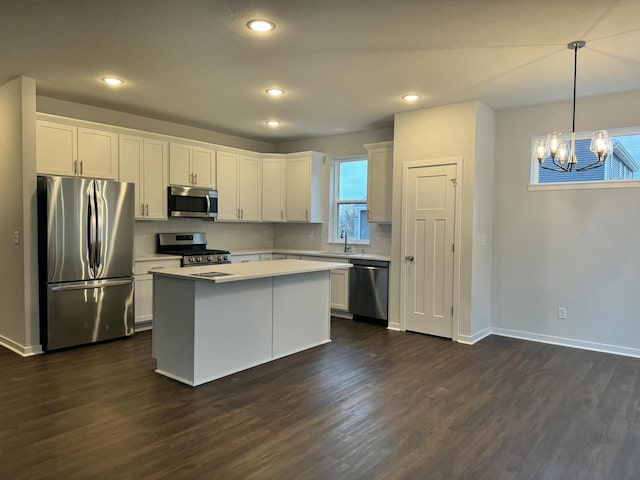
(534,184)
(334,235)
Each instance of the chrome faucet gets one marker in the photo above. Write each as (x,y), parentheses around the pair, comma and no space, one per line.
(343,234)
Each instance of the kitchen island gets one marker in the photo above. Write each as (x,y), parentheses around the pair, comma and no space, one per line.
(215,320)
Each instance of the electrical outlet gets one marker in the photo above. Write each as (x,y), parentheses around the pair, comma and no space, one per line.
(312,233)
(562,312)
(483,240)
(16,237)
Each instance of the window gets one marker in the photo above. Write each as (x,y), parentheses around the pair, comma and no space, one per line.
(350,200)
(624,164)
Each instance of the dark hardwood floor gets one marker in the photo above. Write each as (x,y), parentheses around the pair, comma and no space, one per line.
(372,404)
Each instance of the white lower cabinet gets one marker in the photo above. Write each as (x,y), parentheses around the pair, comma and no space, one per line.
(143,289)
(340,289)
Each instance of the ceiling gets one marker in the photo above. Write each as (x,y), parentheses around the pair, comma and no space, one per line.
(343,63)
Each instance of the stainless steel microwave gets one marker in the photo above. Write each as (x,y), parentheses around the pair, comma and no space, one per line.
(194,202)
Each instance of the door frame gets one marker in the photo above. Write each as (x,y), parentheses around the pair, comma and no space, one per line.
(457,235)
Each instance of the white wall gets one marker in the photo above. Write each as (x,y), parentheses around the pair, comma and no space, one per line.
(127,120)
(315,237)
(579,249)
(18,284)
(429,136)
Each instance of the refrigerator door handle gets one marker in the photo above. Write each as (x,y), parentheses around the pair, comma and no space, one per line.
(99,224)
(89,285)
(91,227)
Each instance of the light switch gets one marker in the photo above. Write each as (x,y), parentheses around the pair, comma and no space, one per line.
(16,237)
(483,240)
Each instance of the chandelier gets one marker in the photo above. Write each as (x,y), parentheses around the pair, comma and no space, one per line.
(562,152)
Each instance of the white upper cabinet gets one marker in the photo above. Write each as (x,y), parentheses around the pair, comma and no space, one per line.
(273,189)
(304,187)
(192,166)
(239,180)
(68,150)
(145,162)
(379,181)
(227,178)
(250,188)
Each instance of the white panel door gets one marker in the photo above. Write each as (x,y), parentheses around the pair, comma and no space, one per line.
(227,180)
(250,188)
(340,289)
(204,167)
(298,189)
(273,189)
(56,148)
(429,216)
(154,176)
(130,159)
(180,164)
(98,153)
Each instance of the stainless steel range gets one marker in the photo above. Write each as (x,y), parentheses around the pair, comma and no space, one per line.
(192,247)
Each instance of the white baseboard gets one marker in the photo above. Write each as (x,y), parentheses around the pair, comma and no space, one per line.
(567,342)
(20,349)
(341,314)
(394,326)
(142,326)
(475,338)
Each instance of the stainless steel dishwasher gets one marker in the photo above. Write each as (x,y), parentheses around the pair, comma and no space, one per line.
(369,289)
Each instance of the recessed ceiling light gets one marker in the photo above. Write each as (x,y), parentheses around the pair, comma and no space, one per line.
(261,25)
(113,81)
(411,97)
(275,91)
(274,123)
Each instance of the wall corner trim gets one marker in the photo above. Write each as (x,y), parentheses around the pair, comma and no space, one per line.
(475,338)
(20,349)
(395,326)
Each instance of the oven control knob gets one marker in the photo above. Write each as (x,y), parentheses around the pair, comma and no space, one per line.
(226,257)
(219,258)
(198,259)
(209,258)
(191,260)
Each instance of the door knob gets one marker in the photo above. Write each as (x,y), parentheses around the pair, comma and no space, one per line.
(409,258)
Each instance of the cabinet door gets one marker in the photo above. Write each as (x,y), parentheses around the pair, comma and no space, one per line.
(143,298)
(250,188)
(273,189)
(298,189)
(227,180)
(98,153)
(379,182)
(56,148)
(204,167)
(154,176)
(180,164)
(340,289)
(130,169)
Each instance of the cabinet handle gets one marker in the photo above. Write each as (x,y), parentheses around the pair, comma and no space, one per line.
(367,214)
(146,208)
(75,167)
(242,214)
(238,214)
(142,209)
(281,214)
(306,214)
(195,176)
(81,169)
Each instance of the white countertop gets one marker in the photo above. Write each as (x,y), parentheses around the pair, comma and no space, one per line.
(247,271)
(155,257)
(311,253)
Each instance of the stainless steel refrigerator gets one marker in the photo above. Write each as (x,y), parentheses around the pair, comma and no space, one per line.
(85,248)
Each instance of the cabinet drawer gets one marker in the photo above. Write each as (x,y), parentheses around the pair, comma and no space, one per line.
(143,267)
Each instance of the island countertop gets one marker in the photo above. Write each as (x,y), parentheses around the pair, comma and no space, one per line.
(234,272)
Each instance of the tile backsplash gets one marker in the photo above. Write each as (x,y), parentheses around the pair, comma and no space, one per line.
(227,236)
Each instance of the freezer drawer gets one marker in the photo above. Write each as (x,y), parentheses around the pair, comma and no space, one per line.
(87,312)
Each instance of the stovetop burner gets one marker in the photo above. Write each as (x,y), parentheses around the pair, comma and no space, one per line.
(192,247)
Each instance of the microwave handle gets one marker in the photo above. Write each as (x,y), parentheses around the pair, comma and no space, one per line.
(208,203)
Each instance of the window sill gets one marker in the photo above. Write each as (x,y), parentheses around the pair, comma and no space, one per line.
(539,187)
(360,242)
